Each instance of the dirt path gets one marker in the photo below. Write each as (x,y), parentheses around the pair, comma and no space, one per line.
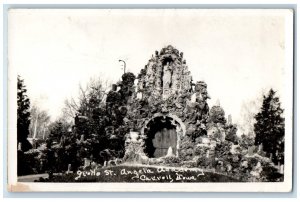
(31,178)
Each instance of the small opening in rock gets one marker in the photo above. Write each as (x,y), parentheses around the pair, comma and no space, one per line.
(161,135)
(167,60)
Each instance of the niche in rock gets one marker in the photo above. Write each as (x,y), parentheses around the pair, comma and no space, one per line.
(167,76)
(162,133)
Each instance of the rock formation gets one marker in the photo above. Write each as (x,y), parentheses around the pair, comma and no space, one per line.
(165,97)
(165,119)
(165,113)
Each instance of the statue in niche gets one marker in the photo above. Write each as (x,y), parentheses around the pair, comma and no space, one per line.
(170,152)
(166,80)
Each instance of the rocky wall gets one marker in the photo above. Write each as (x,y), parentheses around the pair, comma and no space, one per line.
(165,88)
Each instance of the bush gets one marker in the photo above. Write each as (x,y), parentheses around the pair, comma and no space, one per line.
(204,162)
(200,150)
(172,160)
(258,168)
(189,164)
(222,150)
(186,150)
(30,162)
(271,174)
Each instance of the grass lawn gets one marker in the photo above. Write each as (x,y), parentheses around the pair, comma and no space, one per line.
(142,174)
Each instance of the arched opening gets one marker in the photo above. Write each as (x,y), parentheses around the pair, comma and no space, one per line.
(162,133)
(167,60)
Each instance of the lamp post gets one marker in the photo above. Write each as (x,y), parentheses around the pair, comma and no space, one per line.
(124,65)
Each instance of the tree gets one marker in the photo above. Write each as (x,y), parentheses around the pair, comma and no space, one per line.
(39,123)
(269,127)
(92,94)
(246,141)
(98,133)
(58,146)
(248,111)
(23,117)
(90,118)
(58,130)
(73,144)
(99,118)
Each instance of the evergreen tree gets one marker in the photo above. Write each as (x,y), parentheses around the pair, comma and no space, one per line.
(23,120)
(58,132)
(269,127)
(59,148)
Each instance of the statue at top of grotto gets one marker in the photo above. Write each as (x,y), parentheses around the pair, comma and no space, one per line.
(200,92)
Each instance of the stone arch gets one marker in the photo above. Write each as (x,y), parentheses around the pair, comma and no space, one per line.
(177,127)
(176,118)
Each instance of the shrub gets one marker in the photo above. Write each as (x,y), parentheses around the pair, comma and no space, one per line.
(172,160)
(29,162)
(258,168)
(186,150)
(189,164)
(222,150)
(271,174)
(202,161)
(200,150)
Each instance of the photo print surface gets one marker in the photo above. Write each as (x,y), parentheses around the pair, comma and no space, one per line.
(150,99)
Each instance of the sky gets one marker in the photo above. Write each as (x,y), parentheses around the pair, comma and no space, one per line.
(239,54)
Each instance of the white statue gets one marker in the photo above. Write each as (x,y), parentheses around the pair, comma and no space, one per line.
(139,95)
(87,162)
(134,136)
(20,146)
(196,96)
(170,152)
(207,154)
(166,80)
(281,170)
(69,169)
